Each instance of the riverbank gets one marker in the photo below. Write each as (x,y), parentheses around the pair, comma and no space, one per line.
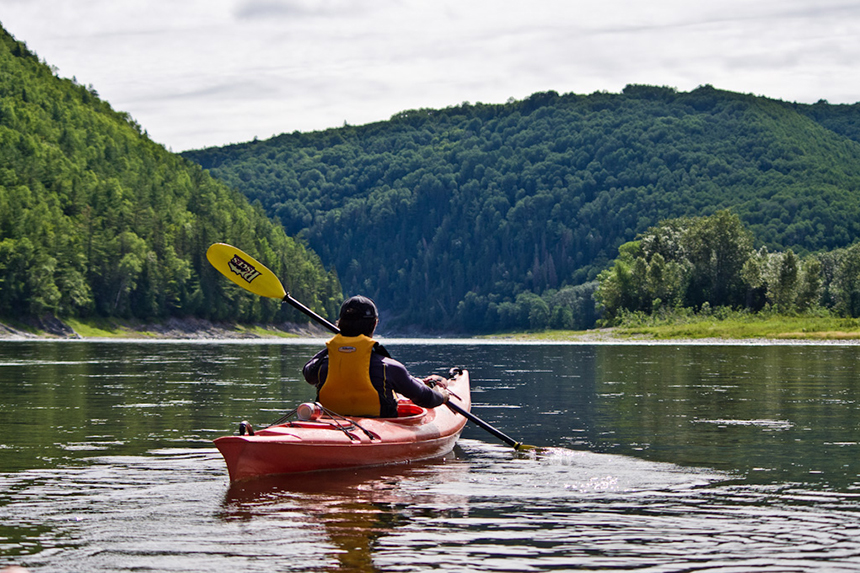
(748,329)
(49,327)
(704,329)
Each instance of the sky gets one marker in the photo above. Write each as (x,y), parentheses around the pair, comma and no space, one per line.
(201,73)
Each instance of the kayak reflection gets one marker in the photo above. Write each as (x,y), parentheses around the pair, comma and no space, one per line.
(346,512)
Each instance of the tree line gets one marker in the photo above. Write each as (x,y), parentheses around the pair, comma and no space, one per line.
(476,217)
(98,220)
(485,217)
(703,263)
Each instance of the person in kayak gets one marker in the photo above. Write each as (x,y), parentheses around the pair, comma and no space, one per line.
(355,375)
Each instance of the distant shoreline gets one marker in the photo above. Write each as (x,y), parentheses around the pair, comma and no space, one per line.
(607,337)
(51,328)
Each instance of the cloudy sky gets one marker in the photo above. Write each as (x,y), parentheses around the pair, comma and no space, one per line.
(197,73)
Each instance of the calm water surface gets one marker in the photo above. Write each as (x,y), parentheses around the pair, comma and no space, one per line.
(658,458)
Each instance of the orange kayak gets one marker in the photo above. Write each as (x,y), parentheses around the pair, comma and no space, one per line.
(338,442)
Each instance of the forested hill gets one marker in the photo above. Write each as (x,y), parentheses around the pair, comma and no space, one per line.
(460,216)
(98,220)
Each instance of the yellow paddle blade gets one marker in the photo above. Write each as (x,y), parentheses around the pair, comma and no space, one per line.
(245,271)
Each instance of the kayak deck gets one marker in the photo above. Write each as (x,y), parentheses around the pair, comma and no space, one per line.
(335,442)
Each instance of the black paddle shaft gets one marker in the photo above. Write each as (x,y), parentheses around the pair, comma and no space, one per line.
(473,418)
(302,308)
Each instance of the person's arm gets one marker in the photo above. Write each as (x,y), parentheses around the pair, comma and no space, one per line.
(316,369)
(413,388)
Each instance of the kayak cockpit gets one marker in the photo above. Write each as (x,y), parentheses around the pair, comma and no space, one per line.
(409,414)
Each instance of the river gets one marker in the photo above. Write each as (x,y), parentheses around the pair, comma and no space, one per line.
(670,458)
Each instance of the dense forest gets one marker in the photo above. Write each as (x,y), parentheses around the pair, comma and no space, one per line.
(476,217)
(491,217)
(708,263)
(98,220)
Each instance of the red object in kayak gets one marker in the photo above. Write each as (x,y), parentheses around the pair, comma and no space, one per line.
(346,442)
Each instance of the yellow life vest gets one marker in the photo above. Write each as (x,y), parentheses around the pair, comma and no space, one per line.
(347,388)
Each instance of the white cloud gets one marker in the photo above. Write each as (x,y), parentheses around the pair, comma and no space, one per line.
(266,9)
(210,72)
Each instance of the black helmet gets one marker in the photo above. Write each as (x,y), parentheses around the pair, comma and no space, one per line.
(357,307)
(357,316)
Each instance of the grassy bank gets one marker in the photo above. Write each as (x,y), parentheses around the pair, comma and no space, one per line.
(175,328)
(720,326)
(774,327)
(52,327)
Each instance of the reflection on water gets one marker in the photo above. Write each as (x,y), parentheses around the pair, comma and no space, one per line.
(659,458)
(352,509)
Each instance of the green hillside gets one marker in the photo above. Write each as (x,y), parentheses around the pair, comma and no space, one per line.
(98,220)
(843,119)
(487,217)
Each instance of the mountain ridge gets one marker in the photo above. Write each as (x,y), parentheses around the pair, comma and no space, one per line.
(460,217)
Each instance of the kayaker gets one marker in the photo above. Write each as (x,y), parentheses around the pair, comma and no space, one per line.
(355,375)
